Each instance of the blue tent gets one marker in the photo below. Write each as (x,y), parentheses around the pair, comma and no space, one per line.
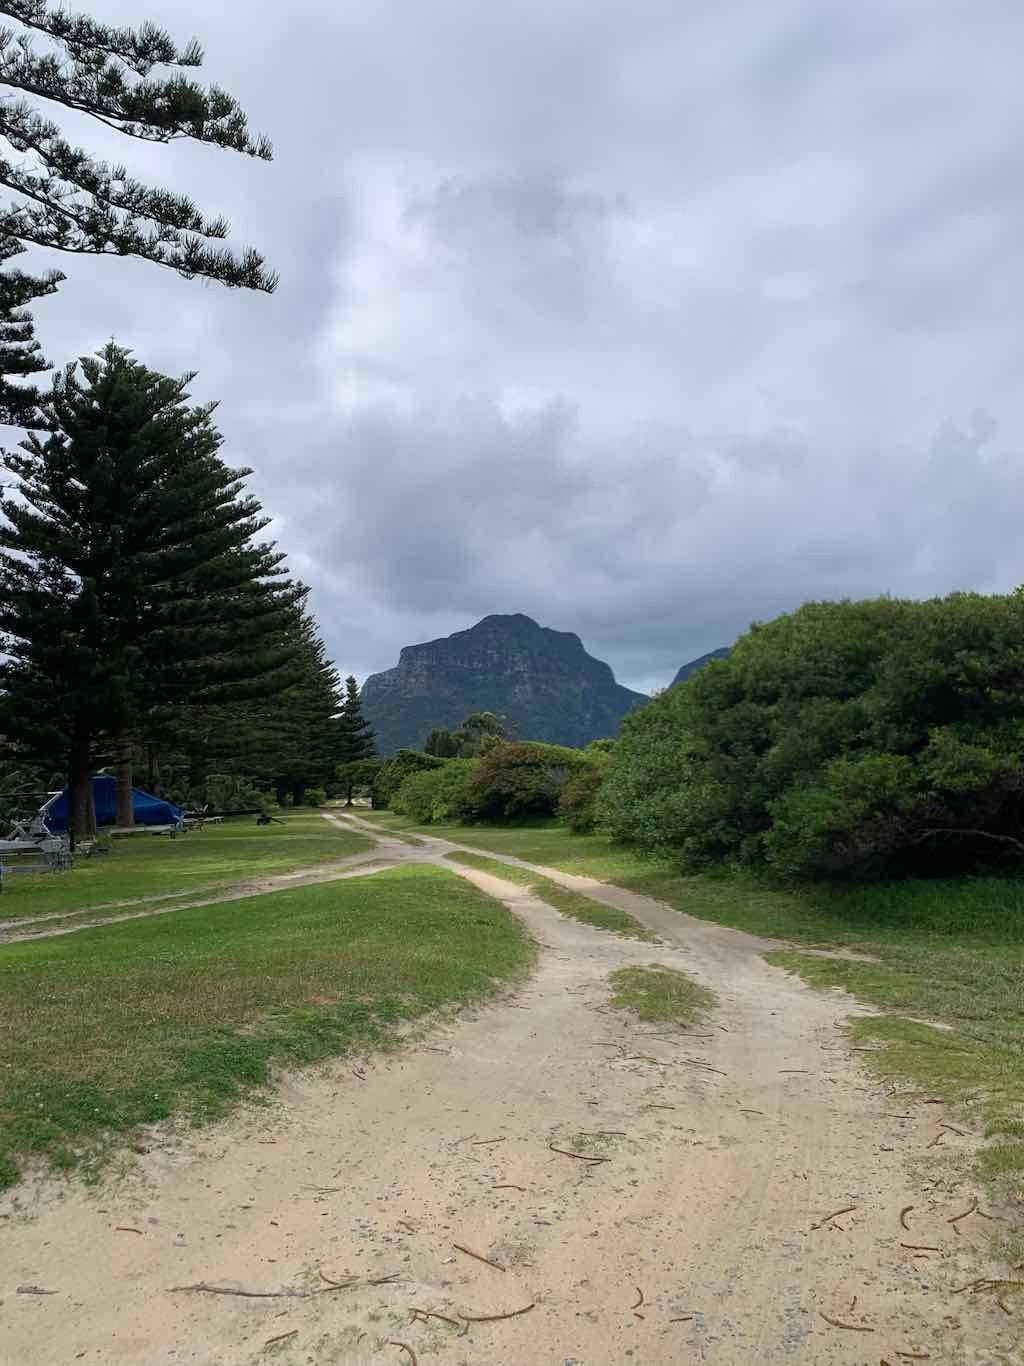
(148,810)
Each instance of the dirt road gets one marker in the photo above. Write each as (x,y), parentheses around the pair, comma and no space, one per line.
(710,1232)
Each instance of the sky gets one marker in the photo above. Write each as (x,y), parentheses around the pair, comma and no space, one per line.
(649,320)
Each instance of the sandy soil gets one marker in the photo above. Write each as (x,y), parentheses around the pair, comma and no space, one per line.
(704,1235)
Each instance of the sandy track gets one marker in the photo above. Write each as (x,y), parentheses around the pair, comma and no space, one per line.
(706,1204)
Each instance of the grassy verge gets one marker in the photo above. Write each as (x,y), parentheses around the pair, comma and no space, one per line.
(185,1014)
(662,994)
(564,899)
(948,950)
(148,865)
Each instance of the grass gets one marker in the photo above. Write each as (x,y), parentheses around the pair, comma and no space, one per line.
(563,899)
(661,994)
(186,1014)
(146,865)
(949,951)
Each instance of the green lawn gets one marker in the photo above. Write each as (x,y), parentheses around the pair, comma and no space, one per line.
(948,950)
(151,865)
(183,1014)
(563,899)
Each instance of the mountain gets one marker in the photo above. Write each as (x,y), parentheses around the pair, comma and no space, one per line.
(687,669)
(541,682)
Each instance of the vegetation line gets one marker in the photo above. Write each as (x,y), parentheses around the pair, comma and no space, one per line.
(563,899)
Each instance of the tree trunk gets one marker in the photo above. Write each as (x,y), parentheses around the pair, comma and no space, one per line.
(281,790)
(153,776)
(348,795)
(82,807)
(298,793)
(123,761)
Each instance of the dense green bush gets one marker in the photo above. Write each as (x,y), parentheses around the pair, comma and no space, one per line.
(513,779)
(856,735)
(435,795)
(226,792)
(315,796)
(577,803)
(394,772)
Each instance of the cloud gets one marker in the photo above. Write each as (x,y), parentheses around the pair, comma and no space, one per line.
(648,320)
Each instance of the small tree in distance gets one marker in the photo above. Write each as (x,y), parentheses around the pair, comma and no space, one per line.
(356,740)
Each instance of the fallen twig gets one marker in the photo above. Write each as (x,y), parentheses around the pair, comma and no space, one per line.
(34,1290)
(493,1318)
(920,1247)
(508,1186)
(123,1228)
(652,1106)
(970,1210)
(201,1288)
(851,1327)
(751,1112)
(478,1255)
(393,1342)
(792,1069)
(914,1356)
(338,1285)
(953,1130)
(683,1318)
(281,1337)
(433,1314)
(640,1299)
(486,1142)
(705,1066)
(603,1133)
(847,1209)
(937,1139)
(580,1157)
(903,1217)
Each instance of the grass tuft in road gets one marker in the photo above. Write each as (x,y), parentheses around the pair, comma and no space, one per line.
(661,994)
(186,1014)
(563,899)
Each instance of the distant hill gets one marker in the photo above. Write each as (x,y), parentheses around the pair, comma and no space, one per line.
(687,669)
(541,682)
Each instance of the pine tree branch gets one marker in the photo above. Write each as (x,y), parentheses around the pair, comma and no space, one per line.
(140,49)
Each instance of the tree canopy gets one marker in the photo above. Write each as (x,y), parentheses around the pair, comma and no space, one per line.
(131,580)
(868,736)
(65,198)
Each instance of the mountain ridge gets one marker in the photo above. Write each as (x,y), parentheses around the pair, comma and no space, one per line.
(541,681)
(723,652)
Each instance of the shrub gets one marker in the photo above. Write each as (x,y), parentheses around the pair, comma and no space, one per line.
(577,804)
(226,792)
(514,779)
(394,772)
(856,735)
(435,795)
(316,796)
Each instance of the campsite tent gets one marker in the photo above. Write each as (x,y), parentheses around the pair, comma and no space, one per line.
(148,810)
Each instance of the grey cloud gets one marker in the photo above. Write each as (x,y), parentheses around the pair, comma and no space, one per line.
(647,320)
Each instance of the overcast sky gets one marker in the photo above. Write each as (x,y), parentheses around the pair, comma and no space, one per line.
(647,319)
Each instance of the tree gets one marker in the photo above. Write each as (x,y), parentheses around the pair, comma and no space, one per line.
(288,741)
(356,740)
(871,736)
(441,743)
(478,732)
(131,584)
(20,353)
(64,198)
